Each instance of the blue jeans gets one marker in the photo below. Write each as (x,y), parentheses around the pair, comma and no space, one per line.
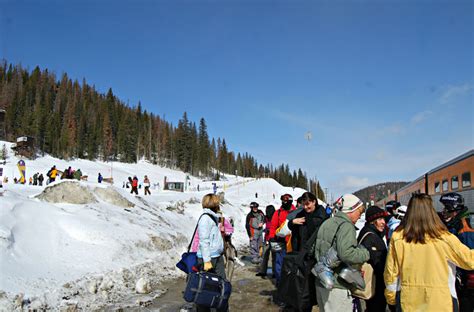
(278,264)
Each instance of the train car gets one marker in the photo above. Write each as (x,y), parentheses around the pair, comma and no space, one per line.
(404,194)
(452,176)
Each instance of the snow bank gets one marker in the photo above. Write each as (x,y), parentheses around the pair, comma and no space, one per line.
(70,192)
(92,246)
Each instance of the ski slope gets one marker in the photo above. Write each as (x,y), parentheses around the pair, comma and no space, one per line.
(89,255)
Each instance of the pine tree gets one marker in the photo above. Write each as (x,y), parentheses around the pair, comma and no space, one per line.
(203,149)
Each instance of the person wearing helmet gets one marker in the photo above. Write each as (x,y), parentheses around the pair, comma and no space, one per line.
(254,226)
(456,217)
(391,208)
(394,222)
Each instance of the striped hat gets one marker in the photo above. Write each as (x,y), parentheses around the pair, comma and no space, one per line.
(348,203)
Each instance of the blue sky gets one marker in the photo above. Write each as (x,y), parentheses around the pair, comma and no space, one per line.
(385,87)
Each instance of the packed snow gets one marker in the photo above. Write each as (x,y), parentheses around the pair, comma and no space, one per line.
(85,245)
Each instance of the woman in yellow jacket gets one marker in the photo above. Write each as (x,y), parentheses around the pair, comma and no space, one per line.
(422,259)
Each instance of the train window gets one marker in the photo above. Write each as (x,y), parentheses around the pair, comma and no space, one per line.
(445,185)
(466,179)
(454,183)
(437,188)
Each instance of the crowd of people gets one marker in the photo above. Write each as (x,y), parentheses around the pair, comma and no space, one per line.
(419,260)
(134,185)
(53,173)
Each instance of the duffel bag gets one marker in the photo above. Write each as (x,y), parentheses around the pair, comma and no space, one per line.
(297,284)
(208,290)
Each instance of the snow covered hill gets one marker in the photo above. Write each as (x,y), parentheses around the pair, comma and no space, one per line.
(56,253)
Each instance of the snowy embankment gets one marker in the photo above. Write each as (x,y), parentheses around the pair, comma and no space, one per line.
(87,245)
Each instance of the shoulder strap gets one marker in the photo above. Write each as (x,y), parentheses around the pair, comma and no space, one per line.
(465,227)
(311,240)
(364,236)
(335,234)
(211,216)
(197,224)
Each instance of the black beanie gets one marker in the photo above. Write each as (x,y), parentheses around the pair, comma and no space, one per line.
(373,213)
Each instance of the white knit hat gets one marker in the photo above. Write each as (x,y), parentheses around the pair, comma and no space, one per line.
(401,211)
(348,203)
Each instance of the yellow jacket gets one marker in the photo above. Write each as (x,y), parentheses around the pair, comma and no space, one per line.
(425,273)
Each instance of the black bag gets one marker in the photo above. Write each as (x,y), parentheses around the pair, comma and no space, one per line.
(208,290)
(188,261)
(297,285)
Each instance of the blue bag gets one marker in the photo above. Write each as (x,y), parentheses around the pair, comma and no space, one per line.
(208,290)
(188,261)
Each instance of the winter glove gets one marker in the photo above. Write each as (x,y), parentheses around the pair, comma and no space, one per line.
(207,266)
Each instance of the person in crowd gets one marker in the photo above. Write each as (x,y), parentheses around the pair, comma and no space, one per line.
(40,179)
(371,237)
(77,174)
(269,211)
(456,217)
(419,272)
(35,178)
(31,181)
(279,217)
(391,207)
(52,173)
(230,252)
(254,226)
(146,185)
(340,229)
(211,245)
(329,211)
(299,202)
(307,221)
(69,173)
(303,226)
(100,178)
(394,221)
(134,185)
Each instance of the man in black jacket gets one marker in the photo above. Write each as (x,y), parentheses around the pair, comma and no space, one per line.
(302,228)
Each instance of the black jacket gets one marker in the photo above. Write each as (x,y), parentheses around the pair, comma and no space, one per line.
(378,254)
(300,234)
(376,246)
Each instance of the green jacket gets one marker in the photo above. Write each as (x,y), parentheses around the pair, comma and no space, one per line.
(345,244)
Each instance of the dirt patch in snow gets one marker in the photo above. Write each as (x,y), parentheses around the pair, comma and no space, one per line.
(67,192)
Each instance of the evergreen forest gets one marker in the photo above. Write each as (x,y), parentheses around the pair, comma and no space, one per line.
(69,119)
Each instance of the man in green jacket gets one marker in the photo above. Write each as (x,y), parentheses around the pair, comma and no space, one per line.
(341,230)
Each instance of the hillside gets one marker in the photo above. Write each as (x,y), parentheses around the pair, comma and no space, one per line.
(71,119)
(378,190)
(87,244)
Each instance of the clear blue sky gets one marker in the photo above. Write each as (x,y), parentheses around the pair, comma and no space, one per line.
(385,87)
